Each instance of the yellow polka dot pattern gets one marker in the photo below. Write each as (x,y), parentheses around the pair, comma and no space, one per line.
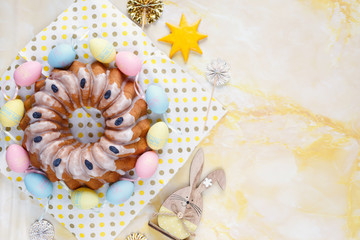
(188,103)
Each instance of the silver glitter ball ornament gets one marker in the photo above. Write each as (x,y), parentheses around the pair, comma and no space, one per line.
(42,230)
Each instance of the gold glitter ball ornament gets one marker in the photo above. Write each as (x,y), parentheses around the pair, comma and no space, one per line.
(136,236)
(151,9)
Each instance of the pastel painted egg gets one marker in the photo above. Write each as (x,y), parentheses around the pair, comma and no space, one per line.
(27,73)
(157,99)
(61,56)
(84,198)
(157,136)
(128,63)
(102,50)
(147,164)
(120,192)
(38,185)
(17,158)
(11,113)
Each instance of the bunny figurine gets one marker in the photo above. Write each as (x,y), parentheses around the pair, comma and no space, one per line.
(181,213)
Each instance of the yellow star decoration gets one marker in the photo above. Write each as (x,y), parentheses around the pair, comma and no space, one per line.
(184,38)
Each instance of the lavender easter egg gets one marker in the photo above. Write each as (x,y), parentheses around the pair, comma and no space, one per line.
(157,99)
(120,192)
(38,185)
(61,56)
(147,164)
(128,63)
(17,158)
(27,73)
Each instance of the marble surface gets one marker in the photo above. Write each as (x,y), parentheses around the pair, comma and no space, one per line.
(290,142)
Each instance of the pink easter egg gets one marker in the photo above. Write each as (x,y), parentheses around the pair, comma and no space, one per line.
(128,63)
(17,158)
(27,73)
(147,164)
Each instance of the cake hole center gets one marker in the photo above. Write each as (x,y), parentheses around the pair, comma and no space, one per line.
(87,124)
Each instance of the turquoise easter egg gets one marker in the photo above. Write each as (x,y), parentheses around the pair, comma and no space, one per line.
(157,136)
(157,99)
(11,113)
(120,192)
(84,198)
(62,56)
(102,50)
(38,185)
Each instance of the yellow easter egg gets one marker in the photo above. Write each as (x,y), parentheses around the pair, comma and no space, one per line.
(157,136)
(102,50)
(11,113)
(84,198)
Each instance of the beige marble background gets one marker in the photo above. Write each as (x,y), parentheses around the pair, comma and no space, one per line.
(290,142)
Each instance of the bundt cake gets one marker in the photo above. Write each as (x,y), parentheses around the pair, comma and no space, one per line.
(53,148)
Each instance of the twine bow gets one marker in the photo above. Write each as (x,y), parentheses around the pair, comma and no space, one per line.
(180,216)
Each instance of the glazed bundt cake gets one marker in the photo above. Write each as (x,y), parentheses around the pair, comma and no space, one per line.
(53,148)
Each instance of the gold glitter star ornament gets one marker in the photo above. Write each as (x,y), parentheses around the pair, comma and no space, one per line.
(136,236)
(145,11)
(184,38)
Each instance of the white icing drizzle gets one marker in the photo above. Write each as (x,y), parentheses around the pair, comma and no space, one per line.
(44,99)
(120,105)
(96,171)
(105,144)
(85,92)
(47,137)
(61,95)
(69,81)
(46,114)
(103,159)
(120,136)
(99,84)
(64,154)
(75,167)
(115,92)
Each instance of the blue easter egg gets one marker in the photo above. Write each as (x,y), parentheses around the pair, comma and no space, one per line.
(157,99)
(120,192)
(38,185)
(61,56)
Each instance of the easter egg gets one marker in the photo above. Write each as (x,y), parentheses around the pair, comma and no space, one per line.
(120,192)
(84,198)
(102,50)
(27,73)
(157,135)
(11,113)
(61,56)
(157,99)
(38,185)
(128,63)
(17,158)
(147,164)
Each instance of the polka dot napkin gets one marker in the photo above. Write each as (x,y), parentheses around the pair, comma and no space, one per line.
(188,106)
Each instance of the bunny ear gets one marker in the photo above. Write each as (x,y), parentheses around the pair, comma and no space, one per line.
(218,176)
(196,168)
